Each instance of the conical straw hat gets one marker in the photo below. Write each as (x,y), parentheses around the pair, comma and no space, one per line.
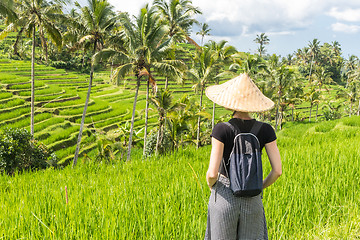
(239,94)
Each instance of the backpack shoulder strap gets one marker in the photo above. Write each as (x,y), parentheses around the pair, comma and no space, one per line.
(256,127)
(233,127)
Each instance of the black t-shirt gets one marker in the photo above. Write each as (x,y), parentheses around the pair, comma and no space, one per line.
(226,135)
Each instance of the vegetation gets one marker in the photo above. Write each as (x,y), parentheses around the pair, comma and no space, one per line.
(161,193)
(19,152)
(165,197)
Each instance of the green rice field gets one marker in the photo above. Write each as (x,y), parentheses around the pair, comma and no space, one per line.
(317,197)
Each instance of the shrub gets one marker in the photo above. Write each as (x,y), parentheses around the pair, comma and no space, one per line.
(165,145)
(331,112)
(18,152)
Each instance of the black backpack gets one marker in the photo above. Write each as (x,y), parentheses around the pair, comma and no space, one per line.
(245,170)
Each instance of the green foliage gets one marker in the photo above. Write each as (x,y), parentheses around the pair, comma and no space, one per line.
(331,111)
(166,197)
(165,146)
(19,152)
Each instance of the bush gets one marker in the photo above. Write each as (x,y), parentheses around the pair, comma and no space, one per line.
(165,146)
(331,112)
(19,152)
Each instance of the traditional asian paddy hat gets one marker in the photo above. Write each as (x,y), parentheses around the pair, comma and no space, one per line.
(239,94)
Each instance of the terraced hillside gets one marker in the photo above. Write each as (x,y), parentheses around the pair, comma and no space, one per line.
(60,98)
(59,101)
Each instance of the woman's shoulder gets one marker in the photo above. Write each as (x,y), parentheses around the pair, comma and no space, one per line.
(265,124)
(268,132)
(222,126)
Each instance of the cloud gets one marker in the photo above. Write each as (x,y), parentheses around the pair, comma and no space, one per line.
(346,28)
(132,7)
(348,14)
(254,16)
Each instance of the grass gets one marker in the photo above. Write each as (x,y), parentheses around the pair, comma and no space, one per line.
(12,103)
(26,86)
(165,197)
(5,95)
(14,114)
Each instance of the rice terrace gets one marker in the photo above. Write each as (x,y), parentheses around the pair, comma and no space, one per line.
(105,126)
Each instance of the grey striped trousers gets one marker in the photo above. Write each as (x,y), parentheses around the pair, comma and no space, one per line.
(233,218)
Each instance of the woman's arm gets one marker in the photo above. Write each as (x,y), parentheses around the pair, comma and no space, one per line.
(275,161)
(217,150)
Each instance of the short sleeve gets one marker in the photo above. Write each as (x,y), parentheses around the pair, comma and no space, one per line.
(220,132)
(269,133)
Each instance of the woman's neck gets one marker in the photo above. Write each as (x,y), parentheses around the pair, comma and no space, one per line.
(242,115)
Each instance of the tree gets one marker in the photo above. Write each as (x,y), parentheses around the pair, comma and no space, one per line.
(7,9)
(204,70)
(224,54)
(163,103)
(251,65)
(205,31)
(178,15)
(312,95)
(262,40)
(33,17)
(313,51)
(146,45)
(351,90)
(322,78)
(279,78)
(97,21)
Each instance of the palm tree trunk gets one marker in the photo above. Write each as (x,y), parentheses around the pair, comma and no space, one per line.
(311,67)
(358,111)
(276,117)
(198,130)
(133,119)
(158,140)
(213,117)
(146,115)
(166,82)
(77,150)
(32,83)
(277,114)
(111,72)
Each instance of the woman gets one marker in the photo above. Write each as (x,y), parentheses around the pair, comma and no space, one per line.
(231,217)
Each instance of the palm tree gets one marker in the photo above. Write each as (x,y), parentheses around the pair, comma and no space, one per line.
(178,121)
(178,15)
(251,65)
(322,79)
(312,95)
(351,92)
(205,31)
(163,103)
(7,9)
(97,20)
(262,40)
(224,54)
(204,70)
(279,78)
(146,44)
(313,51)
(33,17)
(352,65)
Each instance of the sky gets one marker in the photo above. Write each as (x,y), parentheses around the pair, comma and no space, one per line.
(289,24)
